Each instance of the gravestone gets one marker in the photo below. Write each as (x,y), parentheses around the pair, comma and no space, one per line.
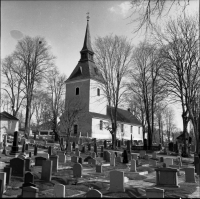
(94,193)
(62,141)
(107,156)
(62,158)
(153,163)
(167,177)
(105,144)
(117,181)
(69,147)
(134,156)
(8,171)
(18,167)
(15,149)
(125,157)
(161,159)
(46,170)
(77,152)
(50,151)
(83,149)
(189,175)
(80,160)
(30,192)
(55,159)
(93,154)
(119,159)
(128,143)
(89,147)
(168,161)
(154,193)
(142,154)
(98,168)
(133,166)
(35,150)
(87,158)
(74,145)
(30,154)
(59,191)
(104,155)
(39,160)
(197,165)
(92,161)
(27,164)
(74,159)
(146,157)
(95,149)
(119,143)
(44,155)
(3,179)
(29,177)
(154,155)
(112,160)
(26,147)
(77,170)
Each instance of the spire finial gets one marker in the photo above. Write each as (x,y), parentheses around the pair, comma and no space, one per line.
(88,16)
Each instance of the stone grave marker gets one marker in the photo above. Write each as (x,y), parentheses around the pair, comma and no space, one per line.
(134,156)
(104,155)
(69,147)
(153,163)
(167,177)
(27,164)
(133,166)
(98,168)
(89,147)
(35,150)
(62,158)
(93,154)
(87,158)
(26,147)
(55,159)
(29,178)
(119,159)
(161,159)
(168,161)
(59,191)
(18,167)
(83,149)
(74,159)
(44,155)
(3,179)
(92,161)
(112,160)
(125,157)
(117,181)
(8,171)
(77,170)
(50,151)
(146,157)
(107,156)
(154,193)
(46,170)
(74,145)
(142,154)
(30,192)
(15,149)
(39,160)
(80,160)
(94,193)
(30,154)
(105,144)
(189,175)
(154,155)
(95,149)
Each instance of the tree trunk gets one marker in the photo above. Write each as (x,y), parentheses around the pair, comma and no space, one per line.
(27,118)
(185,147)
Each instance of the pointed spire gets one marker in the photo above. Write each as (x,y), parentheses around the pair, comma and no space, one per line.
(87,40)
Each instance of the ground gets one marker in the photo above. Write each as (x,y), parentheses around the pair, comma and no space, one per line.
(135,184)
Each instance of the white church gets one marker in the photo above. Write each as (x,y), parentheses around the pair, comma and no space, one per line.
(83,85)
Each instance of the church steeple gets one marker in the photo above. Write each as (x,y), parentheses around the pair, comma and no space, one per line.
(87,52)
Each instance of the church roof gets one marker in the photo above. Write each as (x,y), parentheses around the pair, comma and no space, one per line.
(6,116)
(122,116)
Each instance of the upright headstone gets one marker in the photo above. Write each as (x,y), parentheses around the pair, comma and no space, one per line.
(26,147)
(30,154)
(18,167)
(83,149)
(154,155)
(105,144)
(112,160)
(80,160)
(15,149)
(92,161)
(8,171)
(30,192)
(117,181)
(46,170)
(29,177)
(154,193)
(128,143)
(74,145)
(39,161)
(107,158)
(133,166)
(189,175)
(93,154)
(142,154)
(27,164)
(98,168)
(55,159)
(74,159)
(94,193)
(35,150)
(59,191)
(3,178)
(161,159)
(69,148)
(95,148)
(50,151)
(77,170)
(89,147)
(125,157)
(168,161)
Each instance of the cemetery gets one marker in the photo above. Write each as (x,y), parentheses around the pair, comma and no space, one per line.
(34,168)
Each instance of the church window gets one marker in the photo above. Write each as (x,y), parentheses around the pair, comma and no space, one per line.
(75,129)
(77,91)
(122,128)
(131,129)
(101,124)
(98,92)
(138,130)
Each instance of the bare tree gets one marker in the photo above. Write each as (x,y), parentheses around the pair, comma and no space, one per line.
(113,59)
(146,83)
(34,56)
(179,49)
(13,84)
(147,9)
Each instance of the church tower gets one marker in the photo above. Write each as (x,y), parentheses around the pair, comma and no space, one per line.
(84,85)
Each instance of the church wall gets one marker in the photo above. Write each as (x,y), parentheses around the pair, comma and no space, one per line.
(97,104)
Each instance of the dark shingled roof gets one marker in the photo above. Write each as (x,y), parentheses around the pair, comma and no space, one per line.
(6,116)
(122,116)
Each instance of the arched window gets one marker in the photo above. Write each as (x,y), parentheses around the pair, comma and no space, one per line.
(77,90)
(75,129)
(98,92)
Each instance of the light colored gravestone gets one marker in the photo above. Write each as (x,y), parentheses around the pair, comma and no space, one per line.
(168,161)
(154,155)
(146,157)
(3,178)
(77,170)
(59,191)
(62,158)
(142,154)
(93,154)
(30,192)
(93,193)
(55,159)
(118,159)
(135,156)
(92,161)
(167,177)
(112,160)
(44,155)
(117,181)
(189,175)
(154,193)
(133,166)
(177,167)
(74,159)
(46,170)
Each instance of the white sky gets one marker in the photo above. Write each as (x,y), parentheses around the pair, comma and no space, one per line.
(63,24)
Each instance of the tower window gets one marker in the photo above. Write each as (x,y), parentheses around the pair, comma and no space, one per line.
(138,130)
(75,129)
(98,92)
(77,91)
(131,129)
(122,128)
(101,124)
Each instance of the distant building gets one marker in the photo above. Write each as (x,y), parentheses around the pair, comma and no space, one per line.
(83,85)
(9,124)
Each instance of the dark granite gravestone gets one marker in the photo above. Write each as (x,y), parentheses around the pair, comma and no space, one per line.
(18,167)
(39,160)
(87,158)
(23,148)
(108,155)
(119,143)
(50,151)
(35,150)
(89,147)
(80,160)
(26,147)
(15,148)
(95,148)
(29,154)
(105,144)
(34,136)
(104,155)
(62,141)
(83,149)
(27,164)
(1,189)
(115,154)
(125,157)
(161,159)
(29,177)
(74,145)
(128,143)
(8,171)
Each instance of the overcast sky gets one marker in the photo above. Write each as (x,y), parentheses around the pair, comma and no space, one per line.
(63,25)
